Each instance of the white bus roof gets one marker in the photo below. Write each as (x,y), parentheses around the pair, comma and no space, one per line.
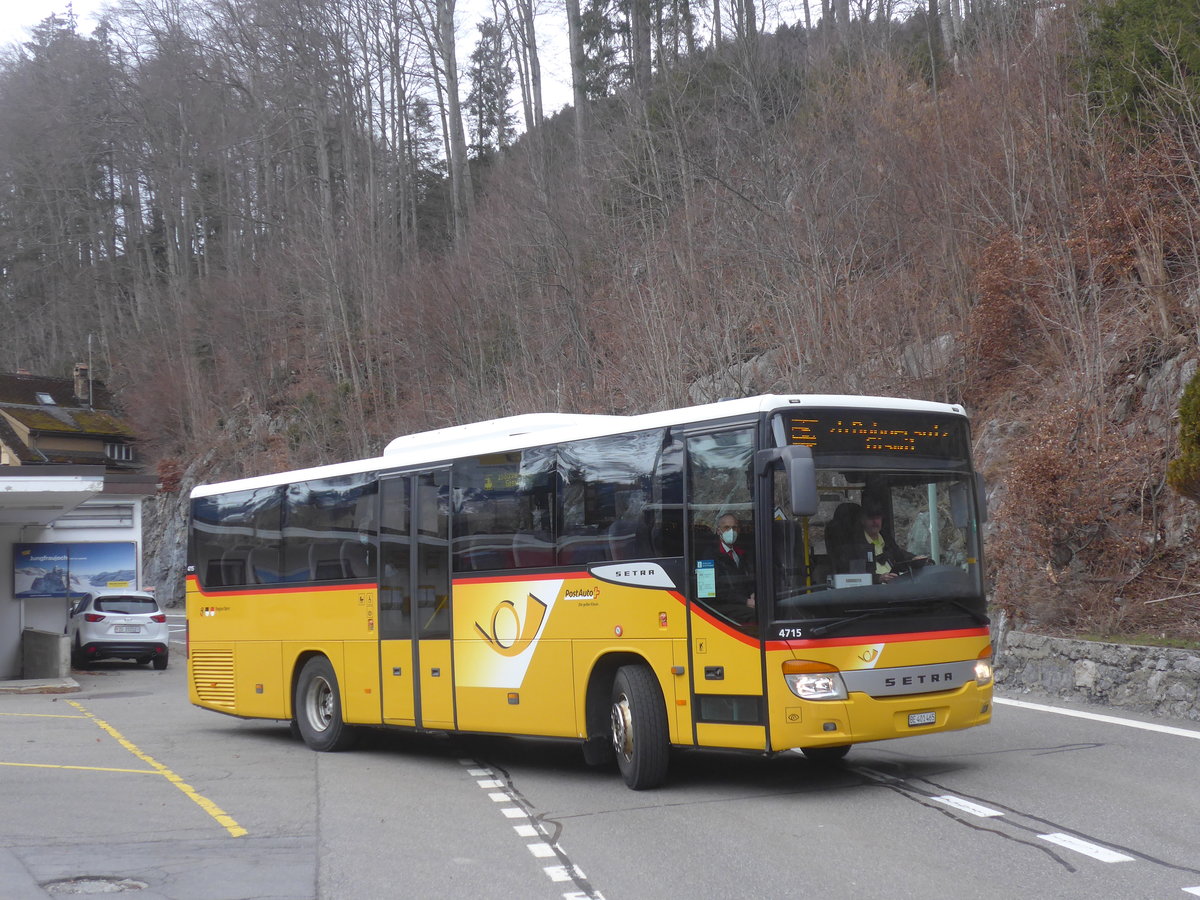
(536,429)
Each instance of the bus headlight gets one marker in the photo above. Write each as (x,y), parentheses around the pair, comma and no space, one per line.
(983,667)
(810,680)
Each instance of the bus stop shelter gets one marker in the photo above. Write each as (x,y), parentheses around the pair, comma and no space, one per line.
(32,498)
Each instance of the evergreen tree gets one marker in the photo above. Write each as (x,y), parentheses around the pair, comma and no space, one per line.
(489,110)
(1144,55)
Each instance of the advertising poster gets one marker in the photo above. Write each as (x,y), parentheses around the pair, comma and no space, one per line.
(63,570)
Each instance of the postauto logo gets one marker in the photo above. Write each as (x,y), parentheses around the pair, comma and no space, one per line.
(513,625)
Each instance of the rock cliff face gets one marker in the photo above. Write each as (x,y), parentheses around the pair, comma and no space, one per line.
(1085,534)
(1156,680)
(164,552)
(164,534)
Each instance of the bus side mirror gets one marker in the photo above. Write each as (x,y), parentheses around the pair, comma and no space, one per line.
(801,475)
(959,499)
(981,496)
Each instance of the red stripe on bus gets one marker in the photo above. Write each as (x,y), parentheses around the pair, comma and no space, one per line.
(877,639)
(498,579)
(281,588)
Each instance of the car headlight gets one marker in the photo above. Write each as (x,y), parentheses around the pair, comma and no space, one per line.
(983,667)
(811,680)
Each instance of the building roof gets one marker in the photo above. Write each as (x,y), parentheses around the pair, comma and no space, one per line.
(22,388)
(49,406)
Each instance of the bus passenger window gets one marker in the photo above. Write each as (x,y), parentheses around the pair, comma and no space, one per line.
(236,537)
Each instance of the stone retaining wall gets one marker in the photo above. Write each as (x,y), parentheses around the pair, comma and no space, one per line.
(1156,680)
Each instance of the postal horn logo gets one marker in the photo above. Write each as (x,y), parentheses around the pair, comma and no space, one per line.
(513,626)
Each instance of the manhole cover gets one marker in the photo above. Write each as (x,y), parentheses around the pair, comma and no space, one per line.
(93,884)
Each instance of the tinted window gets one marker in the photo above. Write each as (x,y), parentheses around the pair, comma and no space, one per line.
(126,605)
(503,511)
(395,551)
(721,503)
(237,537)
(610,507)
(329,529)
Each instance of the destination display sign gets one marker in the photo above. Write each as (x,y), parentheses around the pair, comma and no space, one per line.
(885,432)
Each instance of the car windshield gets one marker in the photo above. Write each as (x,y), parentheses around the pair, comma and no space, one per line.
(125,605)
(887,549)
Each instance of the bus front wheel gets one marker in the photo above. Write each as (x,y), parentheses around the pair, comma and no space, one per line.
(318,708)
(639,728)
(826,756)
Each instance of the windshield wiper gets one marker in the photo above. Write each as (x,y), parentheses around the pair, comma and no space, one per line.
(980,618)
(848,620)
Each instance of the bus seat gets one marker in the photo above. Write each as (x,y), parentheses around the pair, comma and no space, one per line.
(625,540)
(222,572)
(235,566)
(532,549)
(580,549)
(325,562)
(482,552)
(262,565)
(356,560)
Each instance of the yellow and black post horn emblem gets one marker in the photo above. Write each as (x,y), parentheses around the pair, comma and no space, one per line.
(513,628)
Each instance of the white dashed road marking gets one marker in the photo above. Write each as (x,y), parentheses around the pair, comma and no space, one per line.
(1087,848)
(967,806)
(539,848)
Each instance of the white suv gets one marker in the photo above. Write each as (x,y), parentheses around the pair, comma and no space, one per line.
(118,625)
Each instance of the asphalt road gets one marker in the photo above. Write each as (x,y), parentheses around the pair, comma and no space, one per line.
(125,782)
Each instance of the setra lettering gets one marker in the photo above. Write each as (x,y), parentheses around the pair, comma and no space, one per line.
(911,680)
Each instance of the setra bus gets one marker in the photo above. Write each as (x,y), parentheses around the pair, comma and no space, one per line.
(764,574)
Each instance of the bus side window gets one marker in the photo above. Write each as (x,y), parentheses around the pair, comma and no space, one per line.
(607,497)
(320,518)
(236,537)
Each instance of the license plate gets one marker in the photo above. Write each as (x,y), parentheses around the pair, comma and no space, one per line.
(135,629)
(925,718)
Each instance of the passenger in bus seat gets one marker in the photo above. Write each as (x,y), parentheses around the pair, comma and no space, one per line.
(734,565)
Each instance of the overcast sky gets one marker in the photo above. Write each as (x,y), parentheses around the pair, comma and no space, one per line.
(18,16)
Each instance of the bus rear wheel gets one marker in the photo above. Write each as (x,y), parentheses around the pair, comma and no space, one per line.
(639,728)
(318,708)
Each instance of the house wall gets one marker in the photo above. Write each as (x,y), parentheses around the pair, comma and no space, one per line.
(69,444)
(10,609)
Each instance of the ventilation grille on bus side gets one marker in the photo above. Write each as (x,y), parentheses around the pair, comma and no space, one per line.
(212,673)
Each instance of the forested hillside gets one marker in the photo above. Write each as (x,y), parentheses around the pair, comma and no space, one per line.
(293,242)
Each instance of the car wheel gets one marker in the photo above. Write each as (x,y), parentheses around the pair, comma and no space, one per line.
(639,728)
(160,662)
(825,756)
(77,658)
(318,708)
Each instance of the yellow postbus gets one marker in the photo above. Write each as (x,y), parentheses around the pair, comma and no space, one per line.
(766,574)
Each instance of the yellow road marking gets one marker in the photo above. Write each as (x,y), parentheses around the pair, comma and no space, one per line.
(222,817)
(43,716)
(83,768)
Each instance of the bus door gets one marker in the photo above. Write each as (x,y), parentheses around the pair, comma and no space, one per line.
(414,600)
(725,654)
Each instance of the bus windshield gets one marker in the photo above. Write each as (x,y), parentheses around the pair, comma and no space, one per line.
(888,551)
